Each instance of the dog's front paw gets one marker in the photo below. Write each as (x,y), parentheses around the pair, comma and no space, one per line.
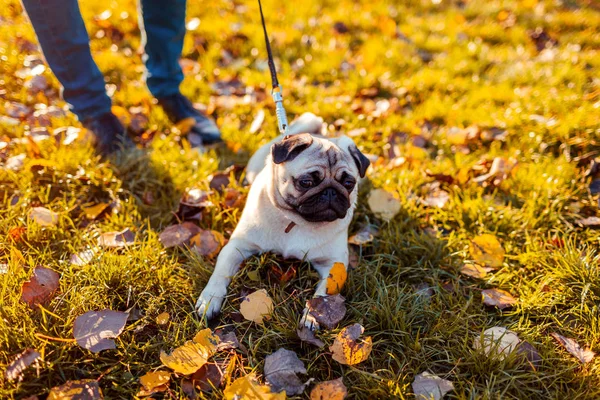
(210,301)
(308,320)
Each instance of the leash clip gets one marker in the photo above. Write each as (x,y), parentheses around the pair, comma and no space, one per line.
(279,109)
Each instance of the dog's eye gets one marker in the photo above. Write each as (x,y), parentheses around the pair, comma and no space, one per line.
(306,183)
(349,184)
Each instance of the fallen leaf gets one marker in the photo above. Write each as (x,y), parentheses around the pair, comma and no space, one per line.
(227,340)
(337,278)
(188,388)
(364,236)
(208,377)
(346,350)
(258,121)
(219,181)
(93,211)
(329,390)
(82,258)
(257,306)
(152,380)
(384,204)
(178,235)
(437,198)
(248,388)
(162,318)
(20,364)
(486,250)
(85,389)
(207,243)
(116,239)
(95,330)
(43,217)
(40,288)
(530,354)
(498,298)
(496,341)
(499,171)
(17,233)
(589,221)
(281,368)
(583,355)
(473,270)
(190,357)
(307,335)
(328,311)
(427,386)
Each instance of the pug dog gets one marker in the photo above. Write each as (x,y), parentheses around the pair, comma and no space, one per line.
(300,205)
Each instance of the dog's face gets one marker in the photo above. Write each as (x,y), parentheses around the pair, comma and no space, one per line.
(317,177)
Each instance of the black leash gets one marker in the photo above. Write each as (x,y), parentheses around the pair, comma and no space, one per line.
(276,90)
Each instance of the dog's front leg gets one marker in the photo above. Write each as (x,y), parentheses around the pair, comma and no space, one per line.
(228,263)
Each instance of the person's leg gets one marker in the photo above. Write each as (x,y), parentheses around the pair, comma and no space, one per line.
(163,29)
(65,44)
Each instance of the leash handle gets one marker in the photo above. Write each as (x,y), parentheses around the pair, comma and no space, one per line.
(276,91)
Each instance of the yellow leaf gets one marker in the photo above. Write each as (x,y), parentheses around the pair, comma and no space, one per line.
(346,349)
(486,250)
(207,243)
(337,278)
(122,114)
(329,390)
(93,211)
(85,389)
(384,203)
(207,339)
(497,297)
(190,357)
(162,318)
(256,306)
(248,388)
(155,379)
(473,270)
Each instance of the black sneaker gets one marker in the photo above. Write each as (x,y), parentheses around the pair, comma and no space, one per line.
(109,134)
(204,132)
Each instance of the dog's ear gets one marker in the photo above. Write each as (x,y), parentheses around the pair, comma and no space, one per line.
(290,147)
(361,161)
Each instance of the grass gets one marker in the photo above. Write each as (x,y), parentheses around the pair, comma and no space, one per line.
(452,64)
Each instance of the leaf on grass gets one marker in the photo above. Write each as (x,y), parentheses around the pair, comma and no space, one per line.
(178,235)
(530,354)
(384,204)
(190,357)
(85,389)
(583,355)
(163,318)
(227,340)
(116,239)
(364,236)
(43,217)
(498,298)
(82,258)
(499,171)
(281,368)
(496,341)
(427,386)
(589,221)
(208,377)
(95,330)
(155,380)
(328,311)
(93,211)
(207,243)
(248,388)
(257,306)
(307,335)
(337,278)
(329,390)
(346,350)
(473,270)
(438,198)
(486,250)
(21,363)
(258,121)
(40,288)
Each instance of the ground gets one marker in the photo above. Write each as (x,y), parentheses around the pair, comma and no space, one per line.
(433,91)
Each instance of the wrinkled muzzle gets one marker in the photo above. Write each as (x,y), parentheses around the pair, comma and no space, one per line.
(325,206)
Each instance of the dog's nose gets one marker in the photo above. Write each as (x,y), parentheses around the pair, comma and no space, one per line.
(329,194)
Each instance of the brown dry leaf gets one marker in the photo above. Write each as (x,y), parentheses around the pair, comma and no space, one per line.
(21,363)
(328,311)
(85,389)
(589,221)
(473,270)
(40,288)
(583,355)
(163,318)
(153,380)
(346,350)
(257,306)
(190,357)
(93,211)
(497,341)
(178,235)
(95,330)
(364,236)
(116,239)
(207,243)
(227,340)
(281,368)
(530,354)
(329,390)
(248,388)
(43,217)
(337,278)
(427,386)
(208,377)
(384,204)
(307,335)
(487,251)
(498,298)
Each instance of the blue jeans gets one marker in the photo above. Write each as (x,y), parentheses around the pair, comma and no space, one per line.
(65,43)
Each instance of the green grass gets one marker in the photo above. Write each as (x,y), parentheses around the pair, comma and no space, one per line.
(450,65)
